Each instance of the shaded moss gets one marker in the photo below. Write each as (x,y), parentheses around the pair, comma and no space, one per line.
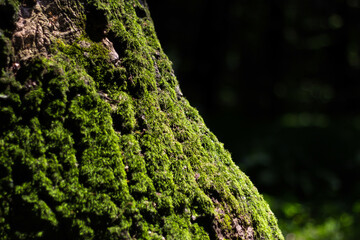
(93,148)
(8,13)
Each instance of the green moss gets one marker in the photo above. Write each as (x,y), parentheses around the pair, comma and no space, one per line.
(97,149)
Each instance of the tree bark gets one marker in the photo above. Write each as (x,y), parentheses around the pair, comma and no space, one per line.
(97,140)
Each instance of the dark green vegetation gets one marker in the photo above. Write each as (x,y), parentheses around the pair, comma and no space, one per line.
(97,140)
(278,83)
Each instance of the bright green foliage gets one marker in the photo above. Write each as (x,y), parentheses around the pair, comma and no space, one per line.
(93,149)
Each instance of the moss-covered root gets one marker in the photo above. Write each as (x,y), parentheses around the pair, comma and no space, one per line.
(97,140)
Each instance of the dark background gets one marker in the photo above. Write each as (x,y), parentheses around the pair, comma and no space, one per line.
(279,83)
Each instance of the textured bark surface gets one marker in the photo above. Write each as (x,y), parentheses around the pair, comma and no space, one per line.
(97,140)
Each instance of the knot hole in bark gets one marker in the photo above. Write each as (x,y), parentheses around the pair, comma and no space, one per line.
(140,10)
(29,3)
(96,23)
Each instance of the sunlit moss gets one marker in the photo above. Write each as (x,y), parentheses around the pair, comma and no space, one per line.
(94,149)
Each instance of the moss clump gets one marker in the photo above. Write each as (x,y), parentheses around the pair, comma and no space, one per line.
(94,146)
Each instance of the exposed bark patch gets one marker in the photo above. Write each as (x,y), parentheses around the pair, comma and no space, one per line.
(228,225)
(39,24)
(119,44)
(113,55)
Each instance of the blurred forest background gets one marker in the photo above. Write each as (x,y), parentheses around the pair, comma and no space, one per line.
(279,83)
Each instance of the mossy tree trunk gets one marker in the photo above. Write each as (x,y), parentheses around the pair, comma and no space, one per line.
(97,140)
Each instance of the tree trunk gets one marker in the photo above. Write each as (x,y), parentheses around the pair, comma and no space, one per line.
(97,140)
